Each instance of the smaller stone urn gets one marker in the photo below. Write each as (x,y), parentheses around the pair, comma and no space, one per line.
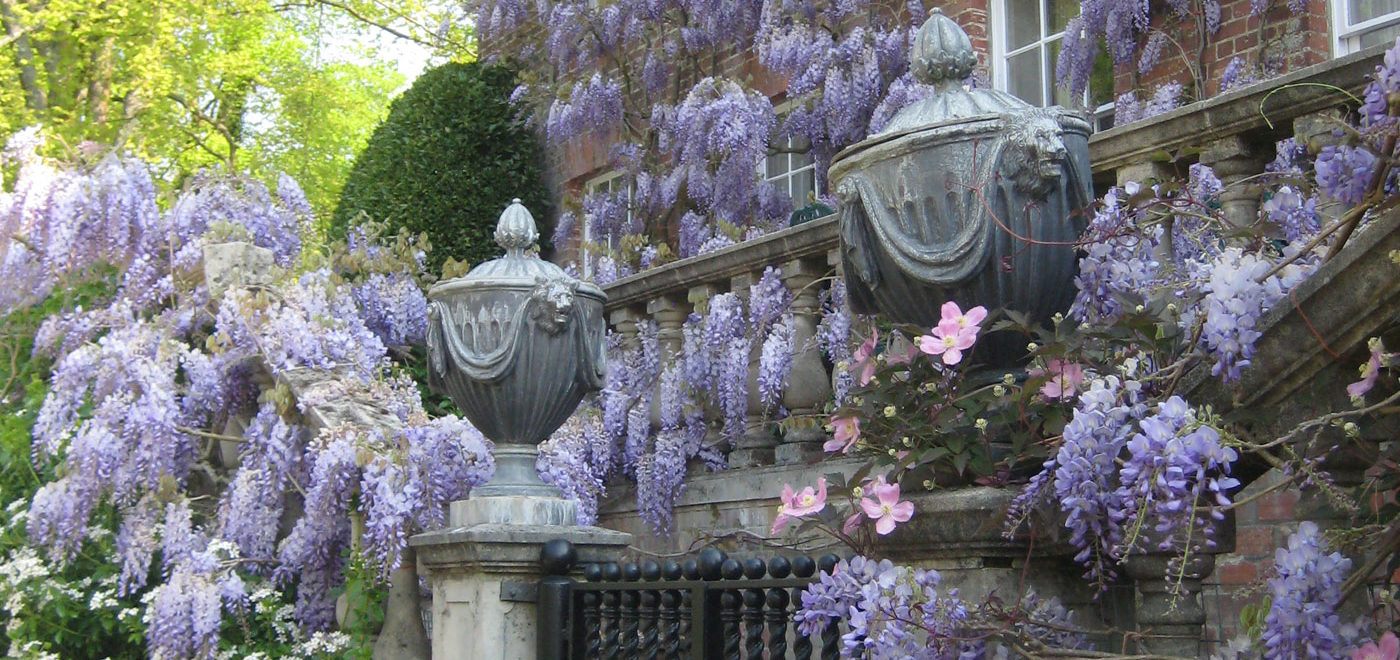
(969,195)
(516,344)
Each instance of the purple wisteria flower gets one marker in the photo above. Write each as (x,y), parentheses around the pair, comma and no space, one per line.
(1302,621)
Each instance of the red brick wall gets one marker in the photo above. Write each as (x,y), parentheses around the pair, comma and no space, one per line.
(1288,43)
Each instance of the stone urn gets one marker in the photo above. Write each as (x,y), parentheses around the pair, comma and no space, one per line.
(516,344)
(969,195)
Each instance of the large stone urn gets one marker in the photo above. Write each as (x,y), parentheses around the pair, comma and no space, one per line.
(516,344)
(969,195)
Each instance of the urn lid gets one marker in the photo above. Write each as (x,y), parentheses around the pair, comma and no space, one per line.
(942,57)
(519,268)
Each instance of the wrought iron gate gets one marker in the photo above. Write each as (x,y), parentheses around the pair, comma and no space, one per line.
(708,608)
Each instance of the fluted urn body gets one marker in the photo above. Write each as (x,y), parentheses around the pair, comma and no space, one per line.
(516,344)
(969,195)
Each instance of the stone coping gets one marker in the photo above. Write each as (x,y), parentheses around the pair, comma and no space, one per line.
(1347,300)
(807,240)
(1269,106)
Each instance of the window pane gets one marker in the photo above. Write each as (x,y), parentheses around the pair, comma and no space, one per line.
(1024,77)
(1056,92)
(802,188)
(1058,12)
(1022,23)
(776,166)
(1383,35)
(1363,10)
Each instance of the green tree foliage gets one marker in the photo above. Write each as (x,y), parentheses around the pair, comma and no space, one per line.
(451,155)
(191,83)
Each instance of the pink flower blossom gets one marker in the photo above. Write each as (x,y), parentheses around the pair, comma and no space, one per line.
(1065,379)
(972,319)
(1387,649)
(949,339)
(853,522)
(886,509)
(863,361)
(846,432)
(1369,371)
(797,505)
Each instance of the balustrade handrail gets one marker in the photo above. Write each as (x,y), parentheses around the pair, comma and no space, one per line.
(1264,111)
(807,240)
(1266,108)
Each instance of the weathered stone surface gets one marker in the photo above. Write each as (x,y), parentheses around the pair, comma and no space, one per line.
(1313,340)
(467,567)
(512,509)
(403,636)
(809,239)
(235,264)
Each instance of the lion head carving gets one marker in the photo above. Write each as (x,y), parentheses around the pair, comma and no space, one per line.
(552,302)
(1035,152)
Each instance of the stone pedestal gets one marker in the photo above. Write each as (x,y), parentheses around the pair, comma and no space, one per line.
(484,569)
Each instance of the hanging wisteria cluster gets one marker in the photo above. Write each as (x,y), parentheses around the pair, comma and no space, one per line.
(1134,35)
(689,134)
(145,388)
(695,407)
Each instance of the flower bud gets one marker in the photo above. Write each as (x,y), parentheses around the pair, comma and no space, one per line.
(857,492)
(889,411)
(1032,347)
(999,390)
(981,424)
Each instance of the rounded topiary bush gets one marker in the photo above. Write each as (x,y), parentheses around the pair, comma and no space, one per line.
(448,159)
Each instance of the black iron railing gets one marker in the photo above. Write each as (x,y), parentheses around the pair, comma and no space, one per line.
(708,608)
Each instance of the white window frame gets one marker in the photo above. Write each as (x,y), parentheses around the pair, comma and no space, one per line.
(1346,36)
(606,182)
(998,19)
(783,181)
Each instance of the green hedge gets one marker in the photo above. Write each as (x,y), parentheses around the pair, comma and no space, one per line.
(448,159)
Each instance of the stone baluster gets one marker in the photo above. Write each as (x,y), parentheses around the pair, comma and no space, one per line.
(1235,160)
(809,384)
(1170,612)
(669,312)
(756,446)
(624,322)
(699,297)
(1146,174)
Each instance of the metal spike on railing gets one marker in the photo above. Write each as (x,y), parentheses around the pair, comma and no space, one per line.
(754,569)
(647,647)
(802,567)
(776,613)
(831,636)
(611,599)
(691,570)
(592,615)
(670,613)
(630,600)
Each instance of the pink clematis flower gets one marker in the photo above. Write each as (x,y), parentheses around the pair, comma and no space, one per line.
(1387,649)
(886,509)
(797,505)
(847,431)
(863,361)
(1065,379)
(949,340)
(1369,371)
(972,319)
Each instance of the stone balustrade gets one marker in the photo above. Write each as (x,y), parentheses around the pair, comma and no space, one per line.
(667,295)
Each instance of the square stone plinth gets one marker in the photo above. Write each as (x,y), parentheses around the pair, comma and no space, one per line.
(466,568)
